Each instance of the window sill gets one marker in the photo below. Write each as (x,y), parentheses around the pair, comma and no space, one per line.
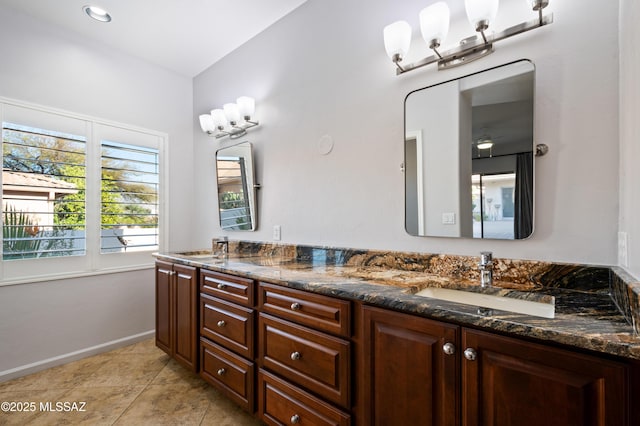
(71,275)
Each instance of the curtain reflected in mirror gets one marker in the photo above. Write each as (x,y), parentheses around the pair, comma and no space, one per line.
(236,193)
(469,159)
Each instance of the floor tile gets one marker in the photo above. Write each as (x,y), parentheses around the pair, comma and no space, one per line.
(127,369)
(28,397)
(170,404)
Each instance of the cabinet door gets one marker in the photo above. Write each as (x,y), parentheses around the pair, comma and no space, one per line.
(512,382)
(164,302)
(186,316)
(409,379)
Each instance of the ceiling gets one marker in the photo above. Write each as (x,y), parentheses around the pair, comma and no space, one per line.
(185,36)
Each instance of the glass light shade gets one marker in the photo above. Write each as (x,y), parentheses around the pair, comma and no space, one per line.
(231,113)
(218,117)
(481,11)
(486,144)
(206,123)
(397,38)
(434,23)
(246,106)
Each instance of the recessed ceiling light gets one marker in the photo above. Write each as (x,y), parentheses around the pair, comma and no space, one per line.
(97,13)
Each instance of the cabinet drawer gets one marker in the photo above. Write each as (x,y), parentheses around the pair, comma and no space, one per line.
(227,324)
(314,360)
(231,374)
(314,310)
(227,287)
(281,403)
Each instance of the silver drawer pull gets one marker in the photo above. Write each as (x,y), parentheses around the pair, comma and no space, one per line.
(221,286)
(295,356)
(221,323)
(295,306)
(470,354)
(449,348)
(295,419)
(221,372)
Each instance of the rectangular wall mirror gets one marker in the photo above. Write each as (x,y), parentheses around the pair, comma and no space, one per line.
(469,156)
(236,187)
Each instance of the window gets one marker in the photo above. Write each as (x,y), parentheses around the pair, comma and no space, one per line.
(43,193)
(129,212)
(78,195)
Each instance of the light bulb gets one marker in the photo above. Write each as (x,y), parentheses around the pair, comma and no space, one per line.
(481,13)
(231,113)
(434,24)
(246,106)
(397,39)
(206,123)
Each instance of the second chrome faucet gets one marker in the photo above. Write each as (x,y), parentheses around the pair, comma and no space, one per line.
(486,269)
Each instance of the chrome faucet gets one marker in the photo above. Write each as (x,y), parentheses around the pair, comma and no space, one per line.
(486,269)
(220,246)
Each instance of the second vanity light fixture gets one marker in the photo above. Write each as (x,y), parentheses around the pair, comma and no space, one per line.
(232,120)
(434,25)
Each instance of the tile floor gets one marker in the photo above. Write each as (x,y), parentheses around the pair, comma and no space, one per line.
(134,385)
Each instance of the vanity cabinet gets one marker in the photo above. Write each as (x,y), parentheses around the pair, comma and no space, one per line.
(421,371)
(227,336)
(507,381)
(177,312)
(406,376)
(305,355)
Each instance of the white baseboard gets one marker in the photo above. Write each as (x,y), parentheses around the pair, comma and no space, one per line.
(34,367)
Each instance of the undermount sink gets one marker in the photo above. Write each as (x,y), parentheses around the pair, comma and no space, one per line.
(544,307)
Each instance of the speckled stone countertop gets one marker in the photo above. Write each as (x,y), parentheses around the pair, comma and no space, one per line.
(588,313)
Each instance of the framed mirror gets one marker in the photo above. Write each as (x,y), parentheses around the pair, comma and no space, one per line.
(469,156)
(236,187)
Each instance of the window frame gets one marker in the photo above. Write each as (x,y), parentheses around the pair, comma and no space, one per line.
(94,262)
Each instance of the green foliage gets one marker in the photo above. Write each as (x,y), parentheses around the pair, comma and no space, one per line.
(19,235)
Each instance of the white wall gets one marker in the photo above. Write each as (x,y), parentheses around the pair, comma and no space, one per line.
(47,66)
(630,131)
(323,70)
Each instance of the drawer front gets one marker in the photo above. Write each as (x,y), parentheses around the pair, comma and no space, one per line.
(282,403)
(231,374)
(227,324)
(314,310)
(314,360)
(228,287)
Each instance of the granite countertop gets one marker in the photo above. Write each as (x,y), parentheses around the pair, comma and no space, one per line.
(585,317)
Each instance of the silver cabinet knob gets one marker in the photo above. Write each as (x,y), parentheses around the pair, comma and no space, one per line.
(221,372)
(221,286)
(449,348)
(470,354)
(221,323)
(295,306)
(295,419)
(295,356)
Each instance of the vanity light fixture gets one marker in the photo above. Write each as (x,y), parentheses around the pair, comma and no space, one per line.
(97,13)
(232,120)
(434,25)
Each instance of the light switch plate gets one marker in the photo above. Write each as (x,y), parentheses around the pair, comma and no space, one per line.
(276,232)
(448,218)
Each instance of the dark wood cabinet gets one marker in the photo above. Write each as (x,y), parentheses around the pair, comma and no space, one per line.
(508,381)
(408,379)
(177,312)
(227,336)
(425,372)
(304,351)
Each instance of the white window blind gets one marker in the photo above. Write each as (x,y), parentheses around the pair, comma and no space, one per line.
(43,193)
(130,181)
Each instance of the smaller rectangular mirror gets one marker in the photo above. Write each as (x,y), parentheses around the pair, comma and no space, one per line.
(469,156)
(236,187)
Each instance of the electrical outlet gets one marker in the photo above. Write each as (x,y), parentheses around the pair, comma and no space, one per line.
(623,259)
(276,232)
